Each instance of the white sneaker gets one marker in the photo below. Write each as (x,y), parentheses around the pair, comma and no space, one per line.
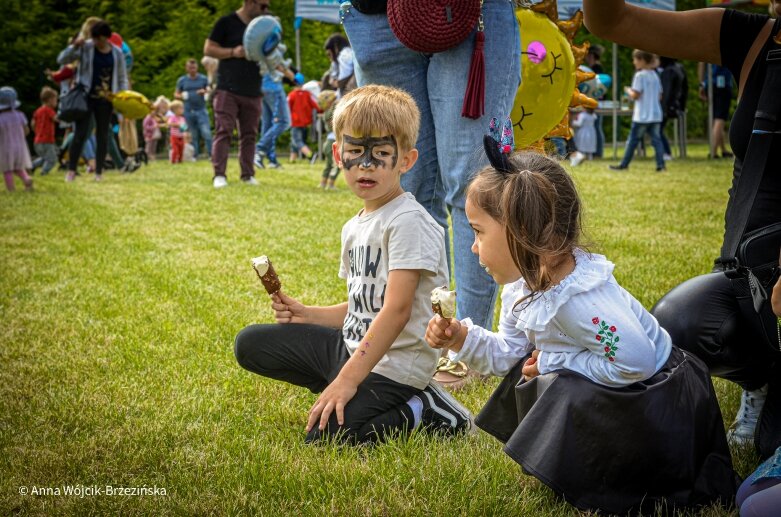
(741,432)
(576,158)
(220,181)
(667,157)
(250,181)
(258,160)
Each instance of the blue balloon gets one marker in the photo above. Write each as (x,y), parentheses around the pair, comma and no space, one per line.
(606,80)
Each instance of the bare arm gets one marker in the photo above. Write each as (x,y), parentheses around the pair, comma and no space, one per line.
(215,50)
(383,331)
(693,35)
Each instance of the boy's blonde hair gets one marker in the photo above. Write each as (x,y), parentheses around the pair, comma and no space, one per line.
(48,93)
(176,104)
(379,110)
(643,55)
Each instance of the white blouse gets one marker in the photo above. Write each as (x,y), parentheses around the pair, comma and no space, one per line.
(587,323)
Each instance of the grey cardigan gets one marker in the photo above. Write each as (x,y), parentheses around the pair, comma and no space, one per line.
(85,55)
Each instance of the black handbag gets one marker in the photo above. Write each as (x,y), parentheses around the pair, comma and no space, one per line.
(73,105)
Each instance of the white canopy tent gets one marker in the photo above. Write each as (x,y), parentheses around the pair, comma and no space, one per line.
(319,10)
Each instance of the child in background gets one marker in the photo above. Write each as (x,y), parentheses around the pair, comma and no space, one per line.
(596,402)
(584,123)
(177,125)
(646,91)
(43,122)
(14,154)
(367,357)
(188,155)
(301,104)
(153,126)
(327,102)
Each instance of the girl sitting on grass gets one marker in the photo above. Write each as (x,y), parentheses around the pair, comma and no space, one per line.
(596,401)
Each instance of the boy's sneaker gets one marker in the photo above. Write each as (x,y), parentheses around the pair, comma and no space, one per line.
(274,165)
(258,161)
(576,158)
(617,167)
(70,176)
(220,182)
(250,181)
(741,432)
(442,413)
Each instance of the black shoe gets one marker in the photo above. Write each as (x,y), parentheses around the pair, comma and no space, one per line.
(442,413)
(617,167)
(726,154)
(661,169)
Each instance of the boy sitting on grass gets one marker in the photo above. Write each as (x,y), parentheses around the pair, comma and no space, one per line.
(367,357)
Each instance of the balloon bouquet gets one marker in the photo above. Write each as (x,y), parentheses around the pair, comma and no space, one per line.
(552,77)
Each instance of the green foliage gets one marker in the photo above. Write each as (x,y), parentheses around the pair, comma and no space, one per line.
(120,301)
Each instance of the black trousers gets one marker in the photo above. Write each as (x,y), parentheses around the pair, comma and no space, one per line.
(703,317)
(311,356)
(101,109)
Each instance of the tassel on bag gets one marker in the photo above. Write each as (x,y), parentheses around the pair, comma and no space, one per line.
(474,97)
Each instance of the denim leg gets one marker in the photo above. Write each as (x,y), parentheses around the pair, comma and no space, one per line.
(656,140)
(635,135)
(460,140)
(204,128)
(380,58)
(266,117)
(280,121)
(192,123)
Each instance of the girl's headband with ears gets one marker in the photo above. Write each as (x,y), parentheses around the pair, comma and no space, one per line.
(499,146)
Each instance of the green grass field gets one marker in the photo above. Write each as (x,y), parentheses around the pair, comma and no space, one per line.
(120,301)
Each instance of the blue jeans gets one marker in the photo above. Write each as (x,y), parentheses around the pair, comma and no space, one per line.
(298,138)
(274,121)
(636,136)
(449,146)
(200,128)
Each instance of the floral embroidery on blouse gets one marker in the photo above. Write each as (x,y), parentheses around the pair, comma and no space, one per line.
(608,337)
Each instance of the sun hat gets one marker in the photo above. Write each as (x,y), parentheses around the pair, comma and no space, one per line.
(431,26)
(8,98)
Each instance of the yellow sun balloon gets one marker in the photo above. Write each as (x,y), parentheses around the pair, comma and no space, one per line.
(548,73)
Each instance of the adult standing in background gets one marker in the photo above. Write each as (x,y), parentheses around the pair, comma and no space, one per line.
(237,99)
(722,101)
(594,62)
(342,71)
(703,314)
(450,145)
(101,70)
(192,88)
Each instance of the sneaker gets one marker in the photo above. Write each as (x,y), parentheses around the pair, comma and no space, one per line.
(250,181)
(667,157)
(274,165)
(661,169)
(576,158)
(98,177)
(741,432)
(219,182)
(617,167)
(70,176)
(258,161)
(442,413)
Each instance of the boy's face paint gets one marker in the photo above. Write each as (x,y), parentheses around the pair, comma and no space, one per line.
(379,152)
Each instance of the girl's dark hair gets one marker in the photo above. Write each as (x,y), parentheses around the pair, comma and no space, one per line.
(335,43)
(539,207)
(101,28)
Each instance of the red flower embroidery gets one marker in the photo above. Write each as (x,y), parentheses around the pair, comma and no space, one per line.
(607,336)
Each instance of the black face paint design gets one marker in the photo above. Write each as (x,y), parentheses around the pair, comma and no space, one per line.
(367,159)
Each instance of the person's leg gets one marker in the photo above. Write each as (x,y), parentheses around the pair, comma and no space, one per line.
(177,145)
(103,110)
(656,141)
(296,142)
(8,176)
(765,501)
(49,158)
(249,116)
(205,131)
(280,122)
(225,112)
(26,179)
(665,142)
(635,136)
(266,119)
(600,136)
(113,148)
(718,137)
(703,317)
(150,146)
(458,141)
(80,134)
(195,131)
(380,58)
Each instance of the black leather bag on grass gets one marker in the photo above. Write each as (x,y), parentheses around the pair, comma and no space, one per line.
(73,105)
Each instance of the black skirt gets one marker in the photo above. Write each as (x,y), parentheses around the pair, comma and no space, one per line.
(654,444)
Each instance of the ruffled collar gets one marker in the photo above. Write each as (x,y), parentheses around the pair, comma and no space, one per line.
(591,271)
